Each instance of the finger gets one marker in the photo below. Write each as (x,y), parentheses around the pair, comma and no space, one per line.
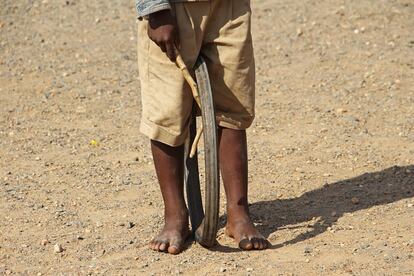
(171,51)
(177,42)
(163,47)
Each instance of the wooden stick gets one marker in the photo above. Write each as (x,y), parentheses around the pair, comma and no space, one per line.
(187,76)
(194,90)
(195,142)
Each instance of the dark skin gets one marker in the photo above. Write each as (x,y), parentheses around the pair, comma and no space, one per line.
(168,163)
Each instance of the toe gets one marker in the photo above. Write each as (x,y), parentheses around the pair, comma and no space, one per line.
(164,246)
(262,244)
(153,245)
(255,242)
(174,249)
(175,246)
(157,246)
(246,244)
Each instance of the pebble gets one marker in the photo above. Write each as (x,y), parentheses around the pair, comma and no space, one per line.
(307,250)
(341,110)
(44,242)
(130,225)
(355,200)
(222,269)
(249,269)
(58,248)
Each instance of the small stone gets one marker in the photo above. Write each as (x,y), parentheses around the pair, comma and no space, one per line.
(44,242)
(333,214)
(307,250)
(307,261)
(409,205)
(341,110)
(130,225)
(249,269)
(58,248)
(355,200)
(222,269)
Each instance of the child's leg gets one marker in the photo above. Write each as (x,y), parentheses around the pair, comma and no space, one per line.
(233,164)
(169,164)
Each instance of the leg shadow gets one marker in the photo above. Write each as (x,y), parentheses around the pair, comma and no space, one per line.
(371,189)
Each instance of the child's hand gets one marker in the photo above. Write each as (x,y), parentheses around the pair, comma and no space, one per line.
(162,30)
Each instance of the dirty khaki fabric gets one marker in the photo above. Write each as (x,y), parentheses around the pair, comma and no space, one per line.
(220,31)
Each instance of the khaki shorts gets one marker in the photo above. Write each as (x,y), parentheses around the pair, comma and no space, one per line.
(219,30)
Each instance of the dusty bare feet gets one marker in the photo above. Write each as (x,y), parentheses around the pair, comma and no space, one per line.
(241,228)
(172,237)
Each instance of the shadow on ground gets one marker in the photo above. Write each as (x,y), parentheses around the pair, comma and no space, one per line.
(346,196)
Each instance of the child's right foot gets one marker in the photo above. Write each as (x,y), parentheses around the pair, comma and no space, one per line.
(172,237)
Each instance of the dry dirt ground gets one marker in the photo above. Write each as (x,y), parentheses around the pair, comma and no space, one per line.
(331,150)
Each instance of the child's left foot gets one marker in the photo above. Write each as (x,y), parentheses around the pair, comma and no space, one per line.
(242,229)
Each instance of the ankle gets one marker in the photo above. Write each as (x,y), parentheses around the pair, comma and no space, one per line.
(176,215)
(237,214)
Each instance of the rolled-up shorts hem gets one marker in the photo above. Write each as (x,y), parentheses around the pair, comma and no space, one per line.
(161,134)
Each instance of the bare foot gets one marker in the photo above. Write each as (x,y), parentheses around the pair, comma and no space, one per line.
(242,229)
(172,237)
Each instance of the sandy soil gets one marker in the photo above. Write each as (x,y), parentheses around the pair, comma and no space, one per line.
(331,150)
